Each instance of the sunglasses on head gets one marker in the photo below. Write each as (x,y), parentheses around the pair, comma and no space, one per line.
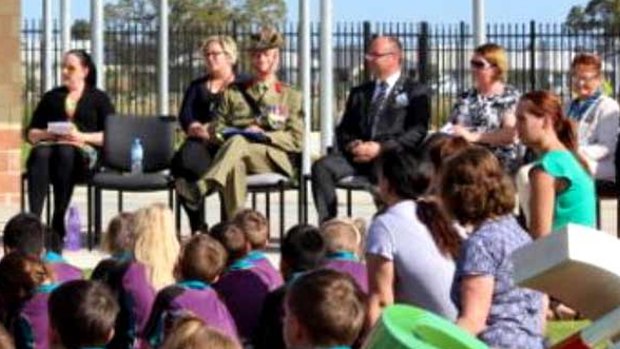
(480,64)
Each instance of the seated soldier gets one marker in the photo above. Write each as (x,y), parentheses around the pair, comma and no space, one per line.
(260,124)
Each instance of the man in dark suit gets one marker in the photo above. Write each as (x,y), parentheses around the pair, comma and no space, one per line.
(391,108)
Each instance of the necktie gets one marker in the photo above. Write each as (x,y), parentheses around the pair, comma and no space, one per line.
(377,106)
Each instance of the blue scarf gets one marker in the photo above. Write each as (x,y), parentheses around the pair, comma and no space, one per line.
(53,257)
(124,256)
(194,284)
(578,108)
(47,288)
(255,256)
(343,256)
(241,264)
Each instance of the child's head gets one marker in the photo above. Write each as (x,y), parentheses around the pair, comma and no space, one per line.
(20,275)
(255,226)
(302,249)
(120,235)
(235,242)
(25,233)
(323,308)
(156,244)
(202,258)
(217,230)
(341,234)
(82,314)
(191,332)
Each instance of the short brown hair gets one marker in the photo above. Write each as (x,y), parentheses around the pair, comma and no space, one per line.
(119,236)
(83,313)
(203,258)
(587,59)
(496,55)
(191,332)
(474,187)
(441,146)
(329,305)
(254,225)
(341,235)
(235,242)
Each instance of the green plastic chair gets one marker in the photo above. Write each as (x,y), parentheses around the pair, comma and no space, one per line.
(408,327)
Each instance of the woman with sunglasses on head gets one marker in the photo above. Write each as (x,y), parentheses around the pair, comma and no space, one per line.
(66,131)
(200,102)
(597,116)
(485,113)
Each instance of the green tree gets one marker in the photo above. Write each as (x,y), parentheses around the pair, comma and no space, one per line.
(192,12)
(80,30)
(596,14)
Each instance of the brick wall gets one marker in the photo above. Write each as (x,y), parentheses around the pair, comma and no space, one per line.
(10,105)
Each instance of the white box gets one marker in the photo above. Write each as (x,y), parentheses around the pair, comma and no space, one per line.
(578,265)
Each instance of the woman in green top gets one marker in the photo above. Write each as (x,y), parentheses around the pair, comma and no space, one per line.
(562,189)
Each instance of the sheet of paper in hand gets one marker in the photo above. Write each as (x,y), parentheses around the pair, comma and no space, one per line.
(59,127)
(258,137)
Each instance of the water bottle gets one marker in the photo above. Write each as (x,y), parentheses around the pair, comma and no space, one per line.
(137,156)
(73,227)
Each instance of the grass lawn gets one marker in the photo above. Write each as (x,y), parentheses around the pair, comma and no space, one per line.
(559,330)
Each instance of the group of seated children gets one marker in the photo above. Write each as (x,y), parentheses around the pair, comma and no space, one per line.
(217,290)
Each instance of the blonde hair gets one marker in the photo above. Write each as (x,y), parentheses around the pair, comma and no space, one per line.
(496,56)
(342,234)
(156,246)
(226,42)
(190,332)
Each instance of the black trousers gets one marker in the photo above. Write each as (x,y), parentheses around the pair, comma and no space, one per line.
(326,172)
(62,166)
(191,162)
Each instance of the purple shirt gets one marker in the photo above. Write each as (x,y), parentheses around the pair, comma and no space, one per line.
(348,263)
(139,292)
(33,324)
(244,288)
(189,296)
(270,274)
(63,271)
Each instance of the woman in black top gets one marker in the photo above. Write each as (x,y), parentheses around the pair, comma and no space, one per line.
(63,156)
(197,112)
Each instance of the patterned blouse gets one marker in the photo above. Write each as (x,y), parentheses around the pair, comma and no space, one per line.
(515,316)
(486,113)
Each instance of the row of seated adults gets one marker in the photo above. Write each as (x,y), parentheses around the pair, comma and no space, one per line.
(392,108)
(256,123)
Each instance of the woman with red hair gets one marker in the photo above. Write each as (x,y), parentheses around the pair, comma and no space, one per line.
(561,186)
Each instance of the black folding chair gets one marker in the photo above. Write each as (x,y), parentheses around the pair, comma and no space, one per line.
(157,134)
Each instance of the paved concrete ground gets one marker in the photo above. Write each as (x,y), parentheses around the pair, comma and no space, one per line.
(363,207)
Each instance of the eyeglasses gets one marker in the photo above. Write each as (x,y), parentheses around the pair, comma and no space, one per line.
(214,53)
(480,64)
(584,79)
(377,55)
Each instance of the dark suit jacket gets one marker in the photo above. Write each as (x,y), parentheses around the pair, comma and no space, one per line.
(403,119)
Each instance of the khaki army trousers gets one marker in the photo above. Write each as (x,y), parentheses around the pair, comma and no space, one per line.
(234,161)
